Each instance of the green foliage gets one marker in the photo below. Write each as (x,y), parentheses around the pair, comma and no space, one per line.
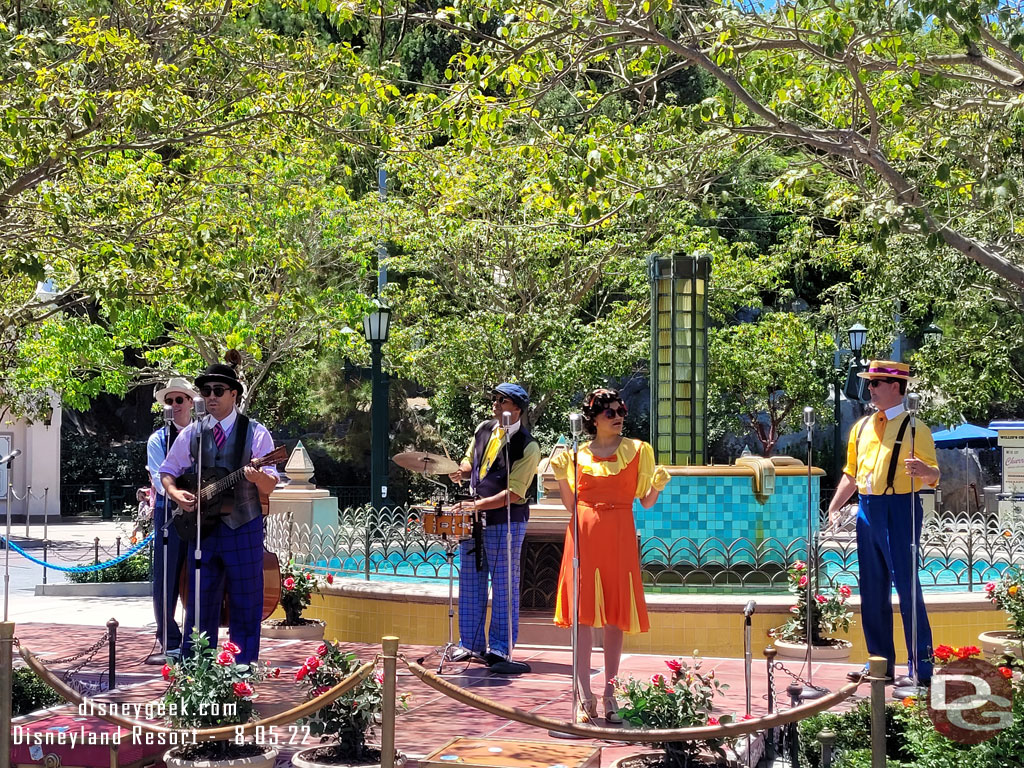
(1007,594)
(829,610)
(138,567)
(763,374)
(29,693)
(298,586)
(82,463)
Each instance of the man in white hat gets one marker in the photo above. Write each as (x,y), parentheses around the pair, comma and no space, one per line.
(176,396)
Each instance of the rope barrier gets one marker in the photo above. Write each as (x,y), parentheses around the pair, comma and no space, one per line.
(203,734)
(732,730)
(79,568)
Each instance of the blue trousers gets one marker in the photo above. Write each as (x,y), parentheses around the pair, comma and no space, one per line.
(232,562)
(884,536)
(177,553)
(473,590)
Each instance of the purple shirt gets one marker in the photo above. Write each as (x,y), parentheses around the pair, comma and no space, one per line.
(179,460)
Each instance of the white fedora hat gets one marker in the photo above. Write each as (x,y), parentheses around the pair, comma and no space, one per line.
(176,384)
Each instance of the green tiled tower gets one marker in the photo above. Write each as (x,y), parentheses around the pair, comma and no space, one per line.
(679,343)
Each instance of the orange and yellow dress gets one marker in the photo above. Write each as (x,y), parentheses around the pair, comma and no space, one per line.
(611,590)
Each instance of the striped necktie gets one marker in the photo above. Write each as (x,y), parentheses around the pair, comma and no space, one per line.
(218,435)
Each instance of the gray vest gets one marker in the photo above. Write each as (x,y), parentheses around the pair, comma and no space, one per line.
(247,497)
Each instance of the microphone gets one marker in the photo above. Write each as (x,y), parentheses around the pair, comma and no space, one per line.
(576,424)
(506,419)
(199,405)
(913,403)
(11,456)
(168,415)
(748,609)
(808,417)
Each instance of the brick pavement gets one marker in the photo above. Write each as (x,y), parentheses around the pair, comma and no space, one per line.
(432,719)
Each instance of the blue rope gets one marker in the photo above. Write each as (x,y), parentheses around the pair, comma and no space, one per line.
(79,568)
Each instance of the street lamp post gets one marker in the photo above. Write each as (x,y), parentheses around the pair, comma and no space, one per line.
(375,330)
(858,335)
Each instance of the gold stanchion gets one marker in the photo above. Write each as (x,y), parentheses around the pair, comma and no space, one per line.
(389,645)
(6,685)
(876,675)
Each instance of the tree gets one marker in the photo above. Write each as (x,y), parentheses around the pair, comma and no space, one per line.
(764,373)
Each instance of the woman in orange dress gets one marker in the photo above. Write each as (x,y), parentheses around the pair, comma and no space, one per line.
(612,472)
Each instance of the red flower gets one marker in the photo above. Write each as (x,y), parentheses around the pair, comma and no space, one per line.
(845,591)
(1006,672)
(803,581)
(713,721)
(799,565)
(289,583)
(967,651)
(990,587)
(166,671)
(277,672)
(225,657)
(943,652)
(330,578)
(321,650)
(229,646)
(242,690)
(303,671)
(658,679)
(320,690)
(313,662)
(309,576)
(821,598)
(673,665)
(378,677)
(748,716)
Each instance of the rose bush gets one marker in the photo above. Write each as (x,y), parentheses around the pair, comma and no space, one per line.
(829,608)
(298,586)
(1008,594)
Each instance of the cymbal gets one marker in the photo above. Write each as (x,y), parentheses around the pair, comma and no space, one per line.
(427,463)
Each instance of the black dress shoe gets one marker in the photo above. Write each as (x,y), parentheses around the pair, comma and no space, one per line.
(860,674)
(499,665)
(908,682)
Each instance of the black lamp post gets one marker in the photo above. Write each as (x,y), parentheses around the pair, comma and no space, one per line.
(932,334)
(375,330)
(858,335)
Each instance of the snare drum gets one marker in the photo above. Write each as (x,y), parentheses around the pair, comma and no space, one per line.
(457,524)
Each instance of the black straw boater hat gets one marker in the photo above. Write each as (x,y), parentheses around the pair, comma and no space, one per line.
(219,373)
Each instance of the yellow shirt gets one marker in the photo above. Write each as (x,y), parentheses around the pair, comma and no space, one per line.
(868,462)
(649,474)
(522,472)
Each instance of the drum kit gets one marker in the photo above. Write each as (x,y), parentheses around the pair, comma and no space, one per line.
(441,518)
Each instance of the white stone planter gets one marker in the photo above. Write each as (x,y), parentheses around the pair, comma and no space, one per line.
(265,760)
(1002,642)
(838,652)
(312,631)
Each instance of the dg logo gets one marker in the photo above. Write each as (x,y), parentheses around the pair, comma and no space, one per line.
(970,701)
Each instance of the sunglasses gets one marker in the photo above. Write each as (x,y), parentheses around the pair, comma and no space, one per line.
(501,400)
(875,382)
(215,391)
(611,413)
(174,400)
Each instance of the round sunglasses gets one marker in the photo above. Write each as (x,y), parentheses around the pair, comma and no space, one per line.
(174,400)
(611,413)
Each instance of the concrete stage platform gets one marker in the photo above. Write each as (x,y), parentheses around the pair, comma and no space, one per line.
(431,720)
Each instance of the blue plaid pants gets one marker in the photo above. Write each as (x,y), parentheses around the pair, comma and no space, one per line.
(232,562)
(473,590)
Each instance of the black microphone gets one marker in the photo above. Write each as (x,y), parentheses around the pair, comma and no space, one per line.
(11,456)
(748,609)
(576,424)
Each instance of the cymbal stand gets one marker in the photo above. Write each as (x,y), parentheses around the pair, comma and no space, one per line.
(451,543)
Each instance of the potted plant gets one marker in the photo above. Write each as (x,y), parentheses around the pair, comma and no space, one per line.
(298,586)
(343,725)
(1007,594)
(685,699)
(208,689)
(832,614)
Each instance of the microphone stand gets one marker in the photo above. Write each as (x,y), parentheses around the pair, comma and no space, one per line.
(810,691)
(574,631)
(168,419)
(748,659)
(200,408)
(913,406)
(8,460)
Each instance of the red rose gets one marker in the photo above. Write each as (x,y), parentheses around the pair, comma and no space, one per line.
(289,583)
(229,646)
(303,671)
(1006,672)
(990,587)
(803,581)
(165,670)
(277,672)
(845,591)
(943,652)
(313,662)
(713,721)
(673,665)
(225,657)
(967,651)
(330,578)
(309,576)
(821,598)
(798,565)
(321,650)
(658,679)
(242,690)
(320,690)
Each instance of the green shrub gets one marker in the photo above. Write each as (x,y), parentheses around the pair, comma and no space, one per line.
(30,693)
(135,568)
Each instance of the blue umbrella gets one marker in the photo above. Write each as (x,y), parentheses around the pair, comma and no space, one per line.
(965,436)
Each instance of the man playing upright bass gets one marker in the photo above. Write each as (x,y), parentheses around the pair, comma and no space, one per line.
(232,554)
